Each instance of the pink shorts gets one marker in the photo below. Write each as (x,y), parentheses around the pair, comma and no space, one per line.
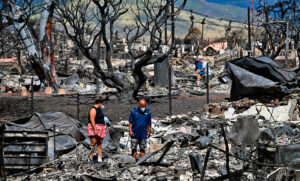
(101,130)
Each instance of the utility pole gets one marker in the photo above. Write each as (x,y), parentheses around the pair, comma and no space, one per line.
(252,16)
(173,23)
(172,46)
(294,9)
(287,43)
(296,39)
(192,19)
(166,26)
(249,30)
(202,23)
(254,42)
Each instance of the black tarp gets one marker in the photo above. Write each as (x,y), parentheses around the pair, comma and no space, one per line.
(64,124)
(259,76)
(68,132)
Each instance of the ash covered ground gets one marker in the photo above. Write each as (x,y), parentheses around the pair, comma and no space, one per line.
(17,107)
(248,139)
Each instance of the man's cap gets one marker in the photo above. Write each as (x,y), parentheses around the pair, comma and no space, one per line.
(195,57)
(142,103)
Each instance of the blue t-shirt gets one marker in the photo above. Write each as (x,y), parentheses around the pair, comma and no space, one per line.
(199,66)
(140,122)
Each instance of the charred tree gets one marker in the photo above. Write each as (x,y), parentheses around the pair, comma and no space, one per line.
(96,17)
(274,17)
(9,39)
(151,17)
(41,68)
(45,38)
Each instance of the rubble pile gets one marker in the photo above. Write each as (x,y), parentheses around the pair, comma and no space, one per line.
(187,147)
(70,66)
(184,131)
(16,82)
(220,60)
(185,75)
(272,110)
(83,80)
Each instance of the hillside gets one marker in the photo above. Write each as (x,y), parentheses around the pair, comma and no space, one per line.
(214,28)
(228,9)
(234,10)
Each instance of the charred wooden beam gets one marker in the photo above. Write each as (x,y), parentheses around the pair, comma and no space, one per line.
(205,164)
(227,150)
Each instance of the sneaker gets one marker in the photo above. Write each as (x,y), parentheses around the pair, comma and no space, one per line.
(90,159)
(99,159)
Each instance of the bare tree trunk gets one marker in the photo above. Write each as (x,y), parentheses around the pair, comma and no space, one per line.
(41,68)
(139,76)
(45,38)
(29,44)
(111,35)
(19,58)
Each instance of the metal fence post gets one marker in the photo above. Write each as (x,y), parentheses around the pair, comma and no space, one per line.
(54,141)
(207,84)
(287,44)
(29,160)
(78,110)
(31,95)
(170,90)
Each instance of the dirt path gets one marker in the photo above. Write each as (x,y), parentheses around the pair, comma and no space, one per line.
(16,106)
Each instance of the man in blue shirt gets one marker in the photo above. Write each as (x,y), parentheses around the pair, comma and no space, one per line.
(199,69)
(139,127)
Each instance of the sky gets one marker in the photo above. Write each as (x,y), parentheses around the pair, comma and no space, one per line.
(239,3)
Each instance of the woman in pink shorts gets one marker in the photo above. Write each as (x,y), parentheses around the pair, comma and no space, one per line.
(96,127)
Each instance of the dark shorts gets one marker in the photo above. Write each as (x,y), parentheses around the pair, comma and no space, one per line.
(141,142)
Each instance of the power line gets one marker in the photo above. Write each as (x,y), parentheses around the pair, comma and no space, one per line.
(205,16)
(220,19)
(207,22)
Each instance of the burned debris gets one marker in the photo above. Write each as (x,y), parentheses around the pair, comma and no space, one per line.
(213,144)
(184,147)
(224,107)
(24,149)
